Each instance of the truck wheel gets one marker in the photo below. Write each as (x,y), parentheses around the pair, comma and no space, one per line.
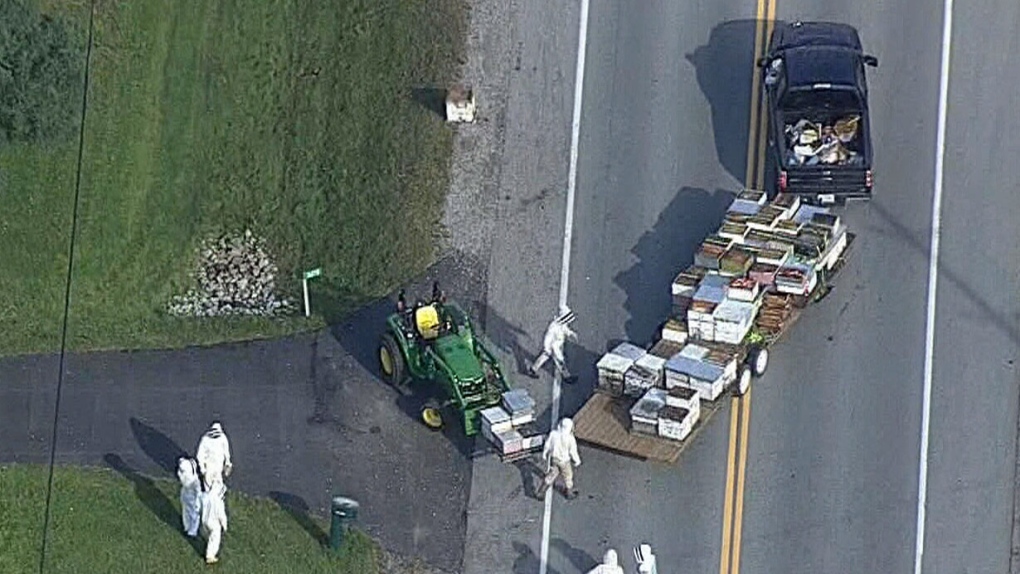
(758,360)
(391,361)
(743,381)
(431,414)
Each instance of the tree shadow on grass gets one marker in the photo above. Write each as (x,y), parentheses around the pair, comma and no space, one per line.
(153,498)
(298,509)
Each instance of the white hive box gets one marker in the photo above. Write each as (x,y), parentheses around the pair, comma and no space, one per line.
(629,351)
(743,289)
(644,415)
(675,423)
(460,105)
(645,373)
(509,442)
(495,420)
(518,402)
(675,331)
(612,370)
(689,368)
(733,320)
(685,398)
(533,441)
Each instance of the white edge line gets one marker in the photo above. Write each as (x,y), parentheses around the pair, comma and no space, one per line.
(568,230)
(933,275)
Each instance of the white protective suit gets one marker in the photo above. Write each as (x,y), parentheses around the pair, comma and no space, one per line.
(556,335)
(213,455)
(191,490)
(645,559)
(560,454)
(214,520)
(610,564)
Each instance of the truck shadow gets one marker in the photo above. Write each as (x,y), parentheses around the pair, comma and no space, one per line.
(724,67)
(664,251)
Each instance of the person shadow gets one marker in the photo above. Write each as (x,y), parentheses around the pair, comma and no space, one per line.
(298,509)
(153,498)
(157,446)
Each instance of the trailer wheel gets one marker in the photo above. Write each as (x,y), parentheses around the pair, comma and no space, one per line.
(743,383)
(758,360)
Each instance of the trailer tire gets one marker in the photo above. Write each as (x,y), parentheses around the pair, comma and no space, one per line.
(758,360)
(743,382)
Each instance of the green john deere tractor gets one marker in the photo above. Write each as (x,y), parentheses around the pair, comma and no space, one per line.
(435,342)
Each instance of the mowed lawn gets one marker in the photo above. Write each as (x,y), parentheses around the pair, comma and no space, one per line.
(295,119)
(103,521)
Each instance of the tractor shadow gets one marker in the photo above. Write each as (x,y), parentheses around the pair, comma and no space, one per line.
(724,68)
(662,252)
(506,337)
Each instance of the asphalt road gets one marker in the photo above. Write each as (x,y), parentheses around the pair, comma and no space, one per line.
(664,128)
(834,444)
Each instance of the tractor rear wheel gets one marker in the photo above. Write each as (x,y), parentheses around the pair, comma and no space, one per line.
(391,361)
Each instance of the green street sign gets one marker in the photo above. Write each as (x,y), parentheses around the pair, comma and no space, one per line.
(313,273)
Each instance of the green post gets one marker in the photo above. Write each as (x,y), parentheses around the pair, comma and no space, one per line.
(344,513)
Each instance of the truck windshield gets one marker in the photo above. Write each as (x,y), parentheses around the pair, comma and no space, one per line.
(836,99)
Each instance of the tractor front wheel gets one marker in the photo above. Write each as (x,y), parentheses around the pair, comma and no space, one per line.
(432,414)
(391,361)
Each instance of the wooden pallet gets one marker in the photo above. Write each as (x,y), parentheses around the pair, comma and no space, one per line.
(604,422)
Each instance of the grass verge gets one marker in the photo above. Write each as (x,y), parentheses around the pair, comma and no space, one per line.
(299,119)
(102,521)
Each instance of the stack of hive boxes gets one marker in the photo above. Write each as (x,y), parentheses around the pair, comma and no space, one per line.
(707,370)
(741,279)
(613,367)
(505,426)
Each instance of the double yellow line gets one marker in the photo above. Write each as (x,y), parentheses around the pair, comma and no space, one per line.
(740,407)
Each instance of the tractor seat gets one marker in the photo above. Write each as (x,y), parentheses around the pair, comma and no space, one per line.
(426,319)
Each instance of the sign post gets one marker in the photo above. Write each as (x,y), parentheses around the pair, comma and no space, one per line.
(304,283)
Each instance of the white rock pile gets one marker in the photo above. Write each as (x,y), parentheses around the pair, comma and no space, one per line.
(235,276)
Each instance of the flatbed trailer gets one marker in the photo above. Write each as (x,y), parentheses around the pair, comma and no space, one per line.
(604,420)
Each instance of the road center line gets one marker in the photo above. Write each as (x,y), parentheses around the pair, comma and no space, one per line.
(731,457)
(933,277)
(568,231)
(738,510)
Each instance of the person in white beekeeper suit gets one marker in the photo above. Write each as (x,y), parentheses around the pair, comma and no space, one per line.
(556,336)
(213,456)
(560,454)
(191,490)
(214,520)
(645,559)
(610,564)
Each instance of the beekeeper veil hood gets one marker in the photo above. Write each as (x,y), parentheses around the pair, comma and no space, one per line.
(610,558)
(567,425)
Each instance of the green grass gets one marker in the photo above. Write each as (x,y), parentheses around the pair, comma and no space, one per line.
(292,117)
(104,522)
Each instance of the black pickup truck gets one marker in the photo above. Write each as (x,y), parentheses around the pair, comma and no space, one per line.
(817,96)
